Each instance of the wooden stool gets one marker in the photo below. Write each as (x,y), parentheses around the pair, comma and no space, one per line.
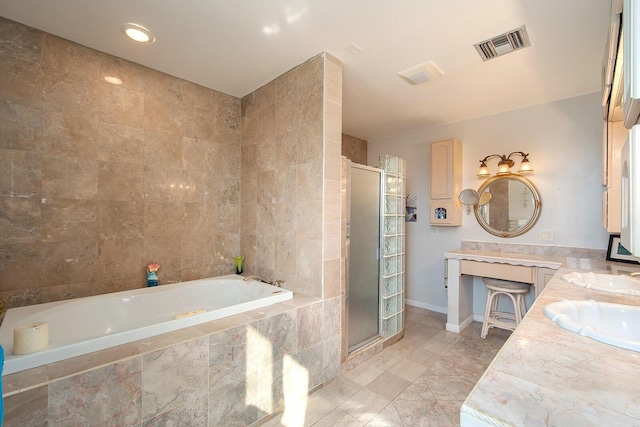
(500,319)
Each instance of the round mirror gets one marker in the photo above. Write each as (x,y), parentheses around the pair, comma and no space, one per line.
(512,205)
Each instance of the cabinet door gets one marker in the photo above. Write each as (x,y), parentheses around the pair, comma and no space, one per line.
(445,175)
(442,212)
(543,277)
(616,136)
(441,170)
(631,62)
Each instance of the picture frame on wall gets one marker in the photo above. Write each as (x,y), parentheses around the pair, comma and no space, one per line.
(412,208)
(617,252)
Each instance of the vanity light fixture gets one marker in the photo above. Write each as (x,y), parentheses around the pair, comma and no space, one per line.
(505,164)
(138,33)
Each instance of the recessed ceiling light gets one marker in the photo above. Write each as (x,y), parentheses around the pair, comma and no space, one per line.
(138,33)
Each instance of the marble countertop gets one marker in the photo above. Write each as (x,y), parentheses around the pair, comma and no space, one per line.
(547,376)
(529,260)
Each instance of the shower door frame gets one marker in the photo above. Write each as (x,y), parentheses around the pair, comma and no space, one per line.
(349,350)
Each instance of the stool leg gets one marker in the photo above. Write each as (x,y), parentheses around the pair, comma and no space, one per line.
(495,301)
(517,309)
(487,313)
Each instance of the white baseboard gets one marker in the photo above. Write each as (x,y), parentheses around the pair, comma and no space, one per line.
(459,328)
(426,306)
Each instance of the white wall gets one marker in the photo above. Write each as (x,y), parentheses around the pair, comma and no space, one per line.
(564,142)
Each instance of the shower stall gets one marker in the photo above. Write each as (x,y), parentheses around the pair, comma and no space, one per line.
(374,297)
(364,201)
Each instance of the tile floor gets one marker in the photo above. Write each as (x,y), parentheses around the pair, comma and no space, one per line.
(419,381)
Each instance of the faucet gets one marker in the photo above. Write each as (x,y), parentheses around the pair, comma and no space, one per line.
(254,277)
(635,274)
(276,282)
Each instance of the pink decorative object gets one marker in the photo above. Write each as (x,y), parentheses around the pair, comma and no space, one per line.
(152,277)
(153,267)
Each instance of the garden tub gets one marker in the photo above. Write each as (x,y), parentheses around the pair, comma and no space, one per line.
(84,325)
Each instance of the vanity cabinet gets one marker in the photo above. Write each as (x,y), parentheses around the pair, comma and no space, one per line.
(465,264)
(614,131)
(544,275)
(631,62)
(614,139)
(445,182)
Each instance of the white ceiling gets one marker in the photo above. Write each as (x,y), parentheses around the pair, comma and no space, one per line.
(236,46)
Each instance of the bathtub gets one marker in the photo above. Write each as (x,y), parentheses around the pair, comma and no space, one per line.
(84,325)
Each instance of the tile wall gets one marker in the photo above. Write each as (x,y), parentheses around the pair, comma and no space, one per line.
(231,372)
(97,180)
(291,178)
(354,149)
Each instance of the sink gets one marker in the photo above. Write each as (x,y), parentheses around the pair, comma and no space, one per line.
(614,324)
(617,284)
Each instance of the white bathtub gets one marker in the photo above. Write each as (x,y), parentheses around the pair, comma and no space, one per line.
(84,325)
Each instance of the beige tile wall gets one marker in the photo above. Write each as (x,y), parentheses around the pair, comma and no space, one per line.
(97,180)
(354,149)
(332,257)
(230,372)
(291,178)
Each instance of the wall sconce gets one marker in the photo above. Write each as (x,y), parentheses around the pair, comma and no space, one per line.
(505,164)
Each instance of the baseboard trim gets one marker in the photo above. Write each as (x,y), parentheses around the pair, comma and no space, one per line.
(426,306)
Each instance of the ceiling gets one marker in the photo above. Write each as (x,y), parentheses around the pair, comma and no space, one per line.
(236,46)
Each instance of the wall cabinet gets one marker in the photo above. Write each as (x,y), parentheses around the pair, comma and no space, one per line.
(445,175)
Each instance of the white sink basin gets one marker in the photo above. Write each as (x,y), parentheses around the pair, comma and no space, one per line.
(614,324)
(617,284)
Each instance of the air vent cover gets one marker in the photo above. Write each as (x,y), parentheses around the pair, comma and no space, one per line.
(503,44)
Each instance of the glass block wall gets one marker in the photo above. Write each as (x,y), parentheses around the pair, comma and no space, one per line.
(393,275)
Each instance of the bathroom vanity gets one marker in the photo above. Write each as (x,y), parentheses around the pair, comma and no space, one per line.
(464,264)
(546,375)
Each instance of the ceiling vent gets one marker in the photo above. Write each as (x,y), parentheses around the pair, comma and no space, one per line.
(503,44)
(422,73)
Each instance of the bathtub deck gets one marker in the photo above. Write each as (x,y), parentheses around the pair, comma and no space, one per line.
(237,371)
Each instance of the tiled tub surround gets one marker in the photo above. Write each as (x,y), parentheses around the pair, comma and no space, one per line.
(354,149)
(545,375)
(97,180)
(232,371)
(84,325)
(291,138)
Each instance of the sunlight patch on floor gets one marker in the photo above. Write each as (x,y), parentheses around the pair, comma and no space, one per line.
(296,385)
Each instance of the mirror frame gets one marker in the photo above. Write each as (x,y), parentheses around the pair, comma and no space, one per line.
(529,224)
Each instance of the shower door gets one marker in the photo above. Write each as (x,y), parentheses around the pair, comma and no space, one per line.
(364,186)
